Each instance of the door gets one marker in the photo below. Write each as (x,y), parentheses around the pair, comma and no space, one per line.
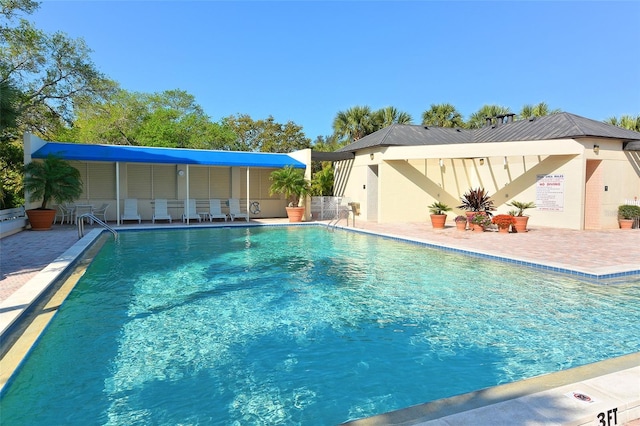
(593,195)
(372,193)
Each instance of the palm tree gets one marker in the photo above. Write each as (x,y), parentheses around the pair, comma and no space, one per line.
(354,123)
(626,122)
(539,110)
(387,116)
(291,183)
(442,115)
(478,119)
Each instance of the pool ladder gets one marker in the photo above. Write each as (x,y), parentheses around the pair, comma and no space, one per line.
(93,218)
(340,214)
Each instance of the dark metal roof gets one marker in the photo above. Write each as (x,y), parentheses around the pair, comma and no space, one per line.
(140,154)
(556,126)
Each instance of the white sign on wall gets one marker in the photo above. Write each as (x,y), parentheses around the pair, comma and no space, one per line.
(550,192)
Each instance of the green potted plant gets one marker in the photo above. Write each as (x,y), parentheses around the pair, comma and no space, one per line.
(476,200)
(480,221)
(461,222)
(291,183)
(521,219)
(438,214)
(503,222)
(627,213)
(52,179)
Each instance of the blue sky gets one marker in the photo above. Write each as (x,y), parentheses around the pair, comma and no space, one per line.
(304,61)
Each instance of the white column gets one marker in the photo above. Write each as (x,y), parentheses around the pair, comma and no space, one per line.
(248,200)
(186,207)
(118,192)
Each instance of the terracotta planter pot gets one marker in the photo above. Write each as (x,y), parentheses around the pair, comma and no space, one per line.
(503,230)
(478,228)
(438,221)
(295,214)
(461,226)
(625,223)
(41,219)
(521,224)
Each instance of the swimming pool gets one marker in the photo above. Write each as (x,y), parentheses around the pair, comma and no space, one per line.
(292,325)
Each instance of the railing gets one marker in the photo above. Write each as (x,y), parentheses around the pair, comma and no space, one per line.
(12,221)
(341,214)
(93,218)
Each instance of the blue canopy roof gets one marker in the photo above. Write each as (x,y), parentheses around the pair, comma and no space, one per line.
(140,154)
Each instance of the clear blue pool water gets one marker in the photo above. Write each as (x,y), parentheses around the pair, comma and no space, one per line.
(298,325)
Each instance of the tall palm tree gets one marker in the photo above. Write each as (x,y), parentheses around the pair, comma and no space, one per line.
(387,116)
(539,110)
(442,115)
(626,122)
(354,123)
(478,118)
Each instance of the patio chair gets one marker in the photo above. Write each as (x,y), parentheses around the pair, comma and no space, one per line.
(131,210)
(234,210)
(160,211)
(215,211)
(101,212)
(65,212)
(190,207)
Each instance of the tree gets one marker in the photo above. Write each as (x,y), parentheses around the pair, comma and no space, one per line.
(53,71)
(11,155)
(354,123)
(322,180)
(478,119)
(265,135)
(626,122)
(360,121)
(539,110)
(387,116)
(169,119)
(442,115)
(41,76)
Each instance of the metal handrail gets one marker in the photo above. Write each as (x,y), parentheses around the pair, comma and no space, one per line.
(93,218)
(340,214)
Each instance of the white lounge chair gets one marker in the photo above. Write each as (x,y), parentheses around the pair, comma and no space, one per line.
(215,211)
(190,209)
(131,210)
(160,210)
(234,210)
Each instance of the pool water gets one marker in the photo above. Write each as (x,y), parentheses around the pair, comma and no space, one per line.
(299,325)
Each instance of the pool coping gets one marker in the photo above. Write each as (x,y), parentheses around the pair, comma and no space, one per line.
(436,413)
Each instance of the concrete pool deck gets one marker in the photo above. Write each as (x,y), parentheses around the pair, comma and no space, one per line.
(613,384)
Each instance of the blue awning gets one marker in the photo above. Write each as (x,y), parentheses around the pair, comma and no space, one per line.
(140,154)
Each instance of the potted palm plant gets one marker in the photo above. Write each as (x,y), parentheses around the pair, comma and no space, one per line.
(438,215)
(52,179)
(521,219)
(627,213)
(291,183)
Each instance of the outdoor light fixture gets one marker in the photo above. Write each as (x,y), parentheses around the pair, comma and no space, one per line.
(371,156)
(482,161)
(596,149)
(441,162)
(180,172)
(505,161)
